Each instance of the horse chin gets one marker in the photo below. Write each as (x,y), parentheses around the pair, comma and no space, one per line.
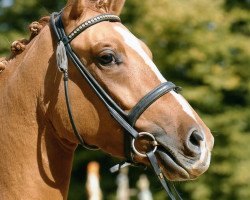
(176,169)
(171,168)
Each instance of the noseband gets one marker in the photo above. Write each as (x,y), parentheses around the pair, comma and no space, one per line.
(127,121)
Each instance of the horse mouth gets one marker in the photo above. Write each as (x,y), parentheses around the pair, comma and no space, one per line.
(170,165)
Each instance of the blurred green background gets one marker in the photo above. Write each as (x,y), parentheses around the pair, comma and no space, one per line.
(201,45)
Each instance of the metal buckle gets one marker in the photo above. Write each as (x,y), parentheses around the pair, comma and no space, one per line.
(154,142)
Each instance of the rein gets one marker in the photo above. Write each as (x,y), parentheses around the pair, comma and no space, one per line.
(127,121)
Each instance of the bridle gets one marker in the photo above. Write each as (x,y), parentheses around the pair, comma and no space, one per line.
(127,121)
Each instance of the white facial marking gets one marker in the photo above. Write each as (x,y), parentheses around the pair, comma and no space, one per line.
(185,105)
(134,43)
(205,156)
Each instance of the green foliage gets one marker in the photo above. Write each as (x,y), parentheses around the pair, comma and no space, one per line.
(202,46)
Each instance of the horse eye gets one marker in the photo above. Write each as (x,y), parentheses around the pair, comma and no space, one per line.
(107,58)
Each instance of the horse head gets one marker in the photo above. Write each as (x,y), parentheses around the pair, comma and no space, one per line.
(122,65)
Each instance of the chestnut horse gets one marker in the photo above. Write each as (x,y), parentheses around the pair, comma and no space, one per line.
(37,135)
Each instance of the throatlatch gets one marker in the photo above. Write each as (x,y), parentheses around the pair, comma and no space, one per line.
(127,121)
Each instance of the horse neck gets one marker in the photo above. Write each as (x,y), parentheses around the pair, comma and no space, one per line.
(34,163)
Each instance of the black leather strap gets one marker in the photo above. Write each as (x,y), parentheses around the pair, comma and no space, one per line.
(149,99)
(78,136)
(168,186)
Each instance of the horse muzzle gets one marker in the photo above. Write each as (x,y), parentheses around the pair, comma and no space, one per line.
(177,166)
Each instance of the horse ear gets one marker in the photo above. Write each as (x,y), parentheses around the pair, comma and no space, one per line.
(114,6)
(77,8)
(108,6)
(74,9)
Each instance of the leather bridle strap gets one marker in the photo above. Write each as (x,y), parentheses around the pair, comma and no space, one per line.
(150,98)
(126,121)
(169,187)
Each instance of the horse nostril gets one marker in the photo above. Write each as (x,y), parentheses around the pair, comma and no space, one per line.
(196,137)
(194,142)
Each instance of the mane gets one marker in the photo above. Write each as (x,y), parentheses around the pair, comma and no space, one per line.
(18,46)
